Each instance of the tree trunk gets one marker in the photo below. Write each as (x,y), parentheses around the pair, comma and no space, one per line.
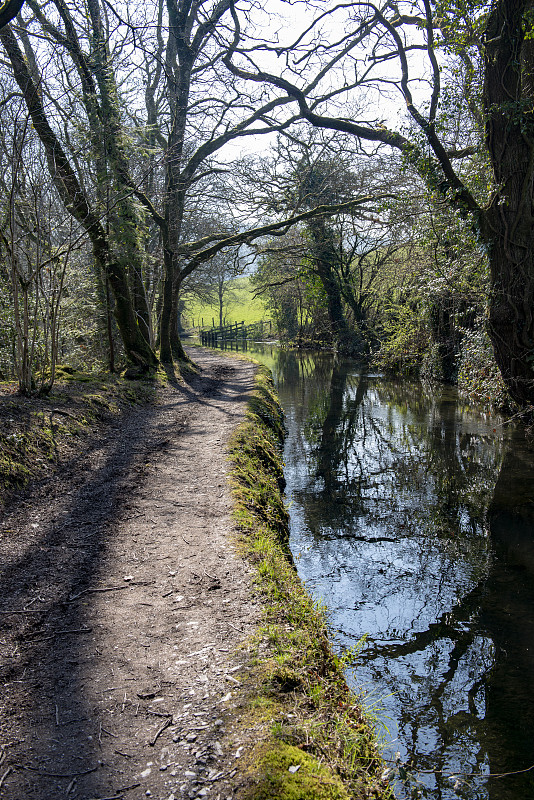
(324,258)
(176,343)
(508,225)
(125,223)
(165,352)
(75,200)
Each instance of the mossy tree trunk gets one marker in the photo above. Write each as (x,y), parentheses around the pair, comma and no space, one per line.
(125,223)
(324,257)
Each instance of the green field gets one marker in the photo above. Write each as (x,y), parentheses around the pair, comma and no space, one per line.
(239,306)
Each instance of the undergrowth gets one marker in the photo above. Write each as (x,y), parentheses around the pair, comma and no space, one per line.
(316,742)
(38,433)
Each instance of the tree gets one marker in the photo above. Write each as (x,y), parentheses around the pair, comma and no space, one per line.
(490,45)
(9,10)
(344,252)
(78,201)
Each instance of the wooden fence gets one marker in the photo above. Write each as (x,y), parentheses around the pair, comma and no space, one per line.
(236,330)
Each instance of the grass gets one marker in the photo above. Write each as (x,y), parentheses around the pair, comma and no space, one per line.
(39,433)
(303,713)
(240,306)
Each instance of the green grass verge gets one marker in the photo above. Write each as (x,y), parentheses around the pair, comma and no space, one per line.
(299,704)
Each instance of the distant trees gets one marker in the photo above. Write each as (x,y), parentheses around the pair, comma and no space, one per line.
(336,265)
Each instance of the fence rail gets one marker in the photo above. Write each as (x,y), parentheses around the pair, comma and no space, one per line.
(236,330)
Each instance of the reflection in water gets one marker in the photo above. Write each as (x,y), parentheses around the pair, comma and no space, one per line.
(413,518)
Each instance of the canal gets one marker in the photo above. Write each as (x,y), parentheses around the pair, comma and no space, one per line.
(412,519)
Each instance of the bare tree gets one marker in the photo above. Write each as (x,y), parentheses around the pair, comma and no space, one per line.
(366,51)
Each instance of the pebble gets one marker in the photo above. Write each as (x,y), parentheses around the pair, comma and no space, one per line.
(191,737)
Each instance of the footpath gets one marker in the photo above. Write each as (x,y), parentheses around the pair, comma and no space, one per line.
(124,610)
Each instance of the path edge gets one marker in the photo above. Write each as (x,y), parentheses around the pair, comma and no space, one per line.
(313,739)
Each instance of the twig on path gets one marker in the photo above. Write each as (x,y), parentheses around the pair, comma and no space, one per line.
(23,611)
(63,413)
(213,578)
(93,591)
(8,771)
(126,755)
(105,730)
(160,730)
(113,797)
(158,713)
(57,774)
(61,633)
(71,786)
(239,630)
(185,540)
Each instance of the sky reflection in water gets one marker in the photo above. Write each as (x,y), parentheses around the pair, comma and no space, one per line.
(412,518)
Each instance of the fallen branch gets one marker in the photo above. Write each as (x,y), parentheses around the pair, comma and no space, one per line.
(23,611)
(4,776)
(61,633)
(57,774)
(165,725)
(93,591)
(63,413)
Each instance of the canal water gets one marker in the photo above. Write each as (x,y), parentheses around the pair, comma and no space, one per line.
(412,519)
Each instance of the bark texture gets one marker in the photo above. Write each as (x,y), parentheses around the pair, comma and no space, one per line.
(507,225)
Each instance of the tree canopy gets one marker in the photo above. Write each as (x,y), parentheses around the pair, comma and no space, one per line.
(142,114)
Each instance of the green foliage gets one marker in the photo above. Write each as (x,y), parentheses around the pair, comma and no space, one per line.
(293,292)
(478,376)
(406,336)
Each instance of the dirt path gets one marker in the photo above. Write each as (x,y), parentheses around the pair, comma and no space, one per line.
(117,674)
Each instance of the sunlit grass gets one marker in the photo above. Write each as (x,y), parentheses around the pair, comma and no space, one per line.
(241,306)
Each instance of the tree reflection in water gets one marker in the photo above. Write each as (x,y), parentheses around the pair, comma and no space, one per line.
(414,521)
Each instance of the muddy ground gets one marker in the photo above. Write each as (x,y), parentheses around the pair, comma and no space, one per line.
(124,609)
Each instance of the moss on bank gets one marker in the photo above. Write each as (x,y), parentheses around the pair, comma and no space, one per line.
(314,741)
(39,433)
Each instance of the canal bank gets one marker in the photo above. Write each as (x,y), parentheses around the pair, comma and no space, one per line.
(314,741)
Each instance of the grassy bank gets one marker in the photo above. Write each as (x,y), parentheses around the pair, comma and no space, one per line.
(313,740)
(38,434)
